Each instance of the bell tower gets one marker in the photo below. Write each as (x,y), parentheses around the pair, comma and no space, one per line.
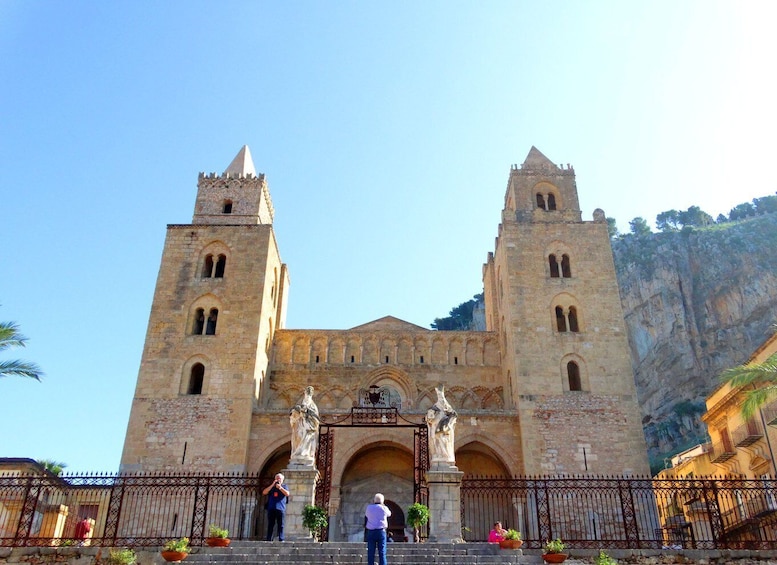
(220,296)
(551,294)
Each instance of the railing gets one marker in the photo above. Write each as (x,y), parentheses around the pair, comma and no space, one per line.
(586,512)
(721,452)
(616,512)
(747,434)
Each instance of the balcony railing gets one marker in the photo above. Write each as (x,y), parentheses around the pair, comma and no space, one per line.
(721,452)
(747,434)
(769,412)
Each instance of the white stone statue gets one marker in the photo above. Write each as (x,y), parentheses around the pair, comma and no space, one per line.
(441,421)
(304,422)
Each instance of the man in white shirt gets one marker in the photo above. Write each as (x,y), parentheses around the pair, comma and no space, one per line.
(377,523)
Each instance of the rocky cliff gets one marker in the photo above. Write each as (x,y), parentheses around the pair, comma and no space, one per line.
(695,302)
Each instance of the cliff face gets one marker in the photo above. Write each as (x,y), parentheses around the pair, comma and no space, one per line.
(695,303)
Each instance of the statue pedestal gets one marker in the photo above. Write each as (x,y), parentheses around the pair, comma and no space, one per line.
(301,480)
(444,482)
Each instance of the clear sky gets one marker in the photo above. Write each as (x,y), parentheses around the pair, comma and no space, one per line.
(386,131)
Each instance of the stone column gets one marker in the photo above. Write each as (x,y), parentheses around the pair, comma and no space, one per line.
(301,480)
(444,482)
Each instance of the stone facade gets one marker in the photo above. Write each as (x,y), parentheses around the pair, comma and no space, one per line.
(547,388)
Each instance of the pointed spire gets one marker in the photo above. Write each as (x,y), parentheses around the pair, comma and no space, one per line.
(535,159)
(242,164)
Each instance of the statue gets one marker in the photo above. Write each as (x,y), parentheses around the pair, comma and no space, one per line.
(304,422)
(441,421)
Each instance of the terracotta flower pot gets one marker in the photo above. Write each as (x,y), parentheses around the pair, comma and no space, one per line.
(554,557)
(174,555)
(217,542)
(511,543)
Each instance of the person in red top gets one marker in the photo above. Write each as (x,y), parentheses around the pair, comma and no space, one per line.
(83,528)
(497,534)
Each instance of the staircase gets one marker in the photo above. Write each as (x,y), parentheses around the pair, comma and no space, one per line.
(347,553)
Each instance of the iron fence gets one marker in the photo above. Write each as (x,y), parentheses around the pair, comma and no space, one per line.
(585,512)
(619,512)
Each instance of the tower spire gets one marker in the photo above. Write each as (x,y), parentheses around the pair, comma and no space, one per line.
(242,164)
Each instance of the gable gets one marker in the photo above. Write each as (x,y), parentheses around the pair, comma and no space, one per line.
(388,323)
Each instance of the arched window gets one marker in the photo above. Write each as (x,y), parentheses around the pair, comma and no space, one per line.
(221,264)
(551,202)
(210,326)
(553,266)
(573,327)
(207,267)
(561,321)
(566,269)
(196,378)
(199,322)
(227,207)
(541,201)
(573,375)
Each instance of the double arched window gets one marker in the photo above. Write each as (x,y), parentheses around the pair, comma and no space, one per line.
(203,325)
(213,266)
(546,201)
(566,319)
(564,269)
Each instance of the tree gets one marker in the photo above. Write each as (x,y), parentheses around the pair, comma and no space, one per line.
(639,227)
(460,317)
(668,221)
(612,228)
(53,467)
(721,219)
(741,211)
(696,217)
(765,205)
(10,337)
(761,378)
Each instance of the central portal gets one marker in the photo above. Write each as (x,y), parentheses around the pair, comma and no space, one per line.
(391,459)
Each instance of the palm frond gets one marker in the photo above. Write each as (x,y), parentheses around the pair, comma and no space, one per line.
(17,368)
(10,336)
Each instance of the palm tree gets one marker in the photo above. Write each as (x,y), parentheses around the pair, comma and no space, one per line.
(10,337)
(55,467)
(760,377)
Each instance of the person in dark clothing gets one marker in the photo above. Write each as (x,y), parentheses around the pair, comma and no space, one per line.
(277,494)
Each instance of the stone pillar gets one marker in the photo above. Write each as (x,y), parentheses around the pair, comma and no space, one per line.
(301,480)
(444,482)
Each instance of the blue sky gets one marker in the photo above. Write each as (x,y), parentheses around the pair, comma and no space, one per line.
(386,131)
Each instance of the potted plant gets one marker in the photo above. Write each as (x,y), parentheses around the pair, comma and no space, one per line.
(315,519)
(176,549)
(512,540)
(217,537)
(417,516)
(124,556)
(553,552)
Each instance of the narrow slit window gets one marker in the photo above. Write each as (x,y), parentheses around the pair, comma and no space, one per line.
(553,266)
(352,358)
(199,322)
(196,378)
(573,325)
(422,359)
(221,264)
(566,269)
(316,358)
(386,358)
(561,321)
(455,360)
(573,375)
(210,326)
(207,267)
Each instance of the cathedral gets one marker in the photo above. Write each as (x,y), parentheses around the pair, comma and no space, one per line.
(546,389)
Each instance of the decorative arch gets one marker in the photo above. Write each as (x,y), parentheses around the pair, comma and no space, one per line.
(481,456)
(547,197)
(456,351)
(565,313)
(190,376)
(319,348)
(569,362)
(282,349)
(336,351)
(393,377)
(300,351)
(203,315)
(423,352)
(213,260)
